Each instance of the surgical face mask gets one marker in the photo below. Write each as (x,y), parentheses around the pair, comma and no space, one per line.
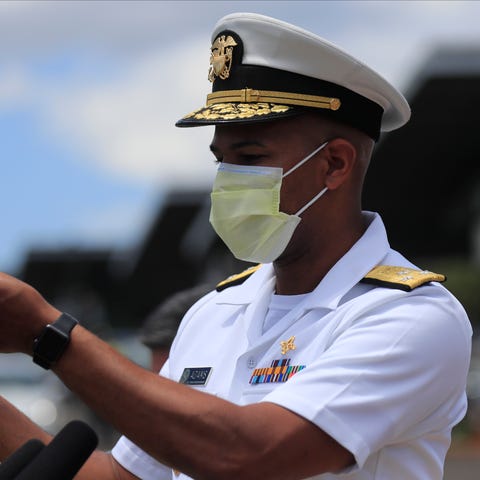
(245,210)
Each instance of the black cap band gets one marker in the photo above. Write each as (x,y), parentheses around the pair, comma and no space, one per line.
(355,110)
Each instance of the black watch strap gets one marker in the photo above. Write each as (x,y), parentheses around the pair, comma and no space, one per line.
(49,346)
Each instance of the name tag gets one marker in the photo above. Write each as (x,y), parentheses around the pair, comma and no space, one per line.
(195,376)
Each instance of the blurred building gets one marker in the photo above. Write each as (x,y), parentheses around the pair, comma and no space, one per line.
(425,177)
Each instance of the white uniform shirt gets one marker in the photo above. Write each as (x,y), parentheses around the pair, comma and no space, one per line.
(381,370)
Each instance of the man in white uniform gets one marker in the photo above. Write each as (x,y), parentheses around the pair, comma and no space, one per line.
(335,357)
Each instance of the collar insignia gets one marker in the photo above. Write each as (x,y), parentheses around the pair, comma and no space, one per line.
(221,57)
(288,345)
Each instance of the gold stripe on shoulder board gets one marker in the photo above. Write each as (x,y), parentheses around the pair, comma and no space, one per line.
(404,278)
(237,279)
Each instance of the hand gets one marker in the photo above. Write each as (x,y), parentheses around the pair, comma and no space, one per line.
(23,314)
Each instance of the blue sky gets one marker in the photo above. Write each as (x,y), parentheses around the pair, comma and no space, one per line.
(90,90)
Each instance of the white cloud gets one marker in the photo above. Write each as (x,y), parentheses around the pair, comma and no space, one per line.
(126,124)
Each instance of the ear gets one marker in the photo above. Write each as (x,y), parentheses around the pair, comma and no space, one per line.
(340,155)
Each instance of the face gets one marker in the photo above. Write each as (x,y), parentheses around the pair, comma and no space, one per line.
(280,143)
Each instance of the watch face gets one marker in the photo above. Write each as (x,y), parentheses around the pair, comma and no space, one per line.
(51,343)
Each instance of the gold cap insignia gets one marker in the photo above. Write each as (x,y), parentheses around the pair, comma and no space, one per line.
(221,57)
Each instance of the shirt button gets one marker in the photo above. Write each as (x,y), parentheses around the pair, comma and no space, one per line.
(251,362)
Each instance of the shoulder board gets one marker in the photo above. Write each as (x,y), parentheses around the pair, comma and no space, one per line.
(403,278)
(237,279)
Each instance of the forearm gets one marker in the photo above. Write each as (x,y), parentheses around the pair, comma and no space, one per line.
(16,429)
(102,466)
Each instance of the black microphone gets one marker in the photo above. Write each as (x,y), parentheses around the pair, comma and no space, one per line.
(19,459)
(63,457)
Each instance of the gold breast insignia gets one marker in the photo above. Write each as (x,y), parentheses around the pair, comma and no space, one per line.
(288,345)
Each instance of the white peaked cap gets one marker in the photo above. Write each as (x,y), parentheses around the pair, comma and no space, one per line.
(263,68)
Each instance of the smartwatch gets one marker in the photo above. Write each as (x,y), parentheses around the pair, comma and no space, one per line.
(49,346)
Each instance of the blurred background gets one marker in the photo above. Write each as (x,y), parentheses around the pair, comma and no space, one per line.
(104,203)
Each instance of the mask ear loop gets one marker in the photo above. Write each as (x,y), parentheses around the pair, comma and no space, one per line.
(301,162)
(313,200)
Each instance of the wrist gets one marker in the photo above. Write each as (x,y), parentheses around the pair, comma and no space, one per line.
(53,340)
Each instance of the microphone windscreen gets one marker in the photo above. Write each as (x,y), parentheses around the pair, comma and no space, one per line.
(19,459)
(63,457)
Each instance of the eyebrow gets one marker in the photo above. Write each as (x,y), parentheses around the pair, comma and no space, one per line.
(238,145)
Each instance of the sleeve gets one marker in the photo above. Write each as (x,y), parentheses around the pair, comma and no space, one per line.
(135,460)
(396,373)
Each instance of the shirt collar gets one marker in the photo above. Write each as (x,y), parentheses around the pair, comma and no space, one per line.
(247,292)
(365,254)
